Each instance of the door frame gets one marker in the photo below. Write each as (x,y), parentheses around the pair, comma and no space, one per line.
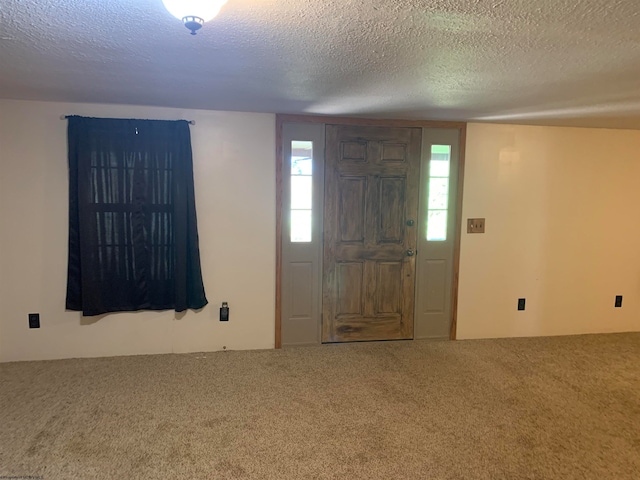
(283,118)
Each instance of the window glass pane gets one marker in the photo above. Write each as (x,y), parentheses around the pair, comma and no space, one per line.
(438,193)
(441,152)
(301,190)
(439,168)
(301,158)
(437,225)
(301,193)
(301,166)
(300,225)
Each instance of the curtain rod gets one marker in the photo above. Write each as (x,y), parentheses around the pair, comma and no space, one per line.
(64,117)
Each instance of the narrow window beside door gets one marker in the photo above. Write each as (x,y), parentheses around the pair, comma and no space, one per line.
(438,203)
(301,190)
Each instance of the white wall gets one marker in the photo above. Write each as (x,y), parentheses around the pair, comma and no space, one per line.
(562,230)
(234,166)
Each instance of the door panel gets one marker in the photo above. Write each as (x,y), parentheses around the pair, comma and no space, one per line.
(350,276)
(440,152)
(389,279)
(301,265)
(391,207)
(435,291)
(352,208)
(300,287)
(371,192)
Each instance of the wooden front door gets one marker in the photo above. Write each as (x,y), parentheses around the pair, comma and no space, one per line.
(370,221)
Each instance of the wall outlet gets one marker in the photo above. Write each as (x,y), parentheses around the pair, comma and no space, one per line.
(34,320)
(224,312)
(618,303)
(521,302)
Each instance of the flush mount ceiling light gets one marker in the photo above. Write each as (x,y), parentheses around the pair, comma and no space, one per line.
(194,13)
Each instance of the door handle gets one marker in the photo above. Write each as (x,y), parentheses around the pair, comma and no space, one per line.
(410,253)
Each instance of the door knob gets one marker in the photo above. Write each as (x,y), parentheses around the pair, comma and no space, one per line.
(410,223)
(410,253)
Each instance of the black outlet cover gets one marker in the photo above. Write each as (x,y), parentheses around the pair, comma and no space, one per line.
(618,301)
(521,303)
(34,320)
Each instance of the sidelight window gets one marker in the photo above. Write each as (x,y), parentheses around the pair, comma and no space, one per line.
(301,190)
(438,202)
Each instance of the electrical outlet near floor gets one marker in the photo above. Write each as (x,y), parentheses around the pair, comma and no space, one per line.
(34,320)
(618,303)
(224,312)
(521,302)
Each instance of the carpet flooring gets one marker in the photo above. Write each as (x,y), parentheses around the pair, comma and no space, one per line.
(538,408)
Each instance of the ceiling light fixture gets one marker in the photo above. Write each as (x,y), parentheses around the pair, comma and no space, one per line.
(194,13)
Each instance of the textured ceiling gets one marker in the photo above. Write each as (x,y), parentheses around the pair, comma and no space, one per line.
(571,62)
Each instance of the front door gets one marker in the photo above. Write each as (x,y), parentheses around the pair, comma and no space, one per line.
(372,177)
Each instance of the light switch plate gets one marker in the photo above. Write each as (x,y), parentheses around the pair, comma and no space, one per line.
(475,225)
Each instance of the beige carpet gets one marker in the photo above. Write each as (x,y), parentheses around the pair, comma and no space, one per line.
(546,408)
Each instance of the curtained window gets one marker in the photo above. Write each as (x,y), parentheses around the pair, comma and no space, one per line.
(133,238)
